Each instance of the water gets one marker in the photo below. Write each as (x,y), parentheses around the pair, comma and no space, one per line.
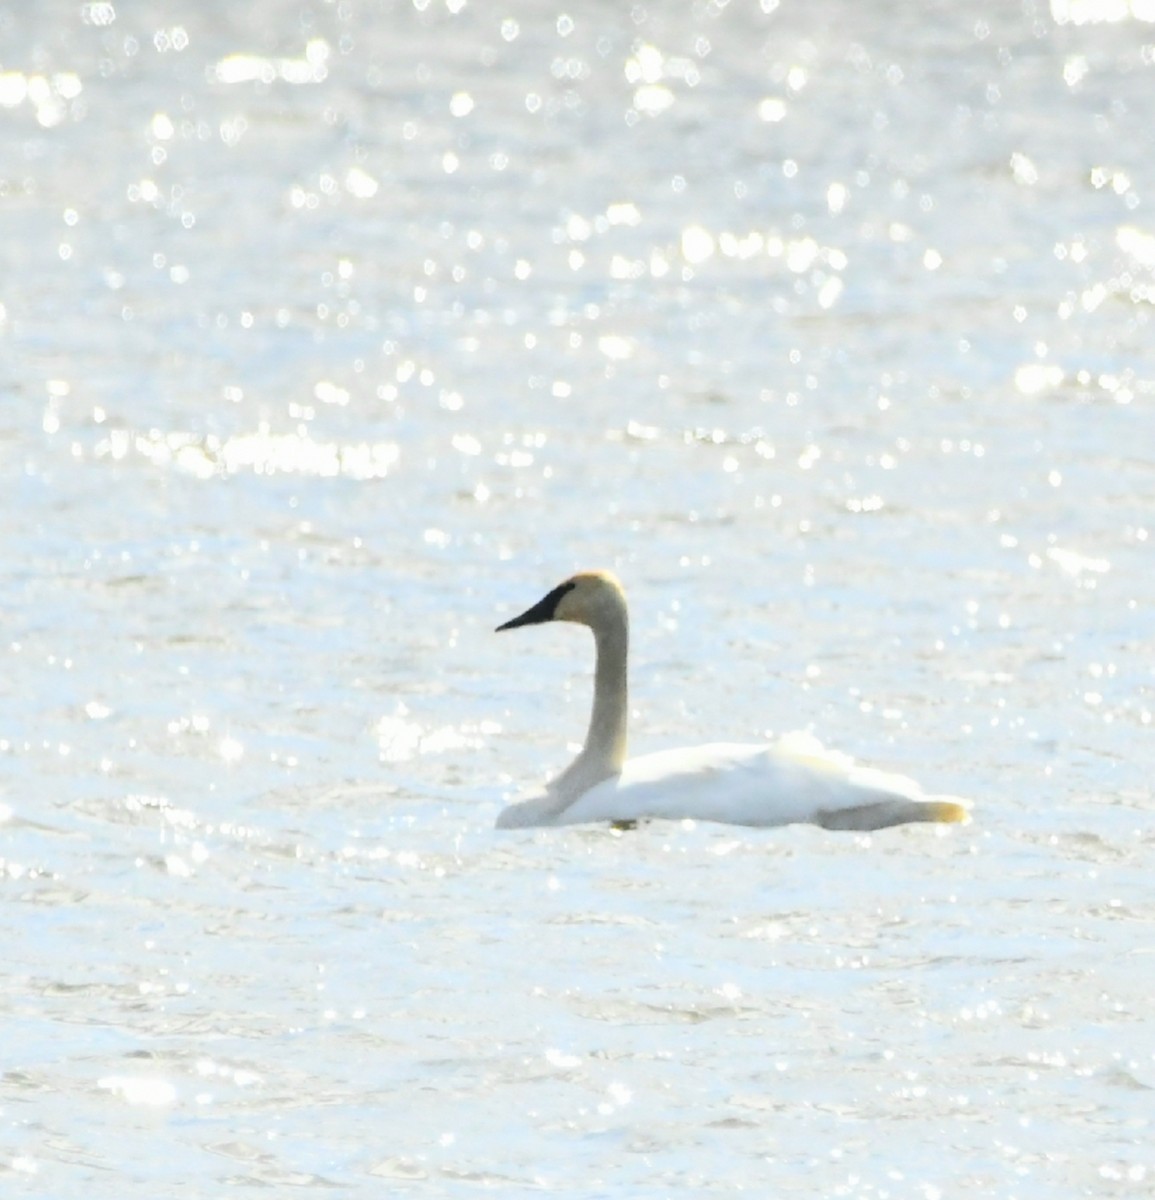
(332,335)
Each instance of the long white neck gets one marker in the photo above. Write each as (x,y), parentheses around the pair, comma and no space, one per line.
(605,743)
(604,752)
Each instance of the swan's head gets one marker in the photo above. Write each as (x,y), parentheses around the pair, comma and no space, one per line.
(593,598)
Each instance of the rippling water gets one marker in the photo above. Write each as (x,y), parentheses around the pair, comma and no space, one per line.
(332,334)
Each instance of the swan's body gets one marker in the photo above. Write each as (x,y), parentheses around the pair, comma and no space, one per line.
(793,780)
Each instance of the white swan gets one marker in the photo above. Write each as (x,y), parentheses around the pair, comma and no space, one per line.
(791,781)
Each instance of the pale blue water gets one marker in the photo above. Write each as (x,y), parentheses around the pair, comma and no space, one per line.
(333,334)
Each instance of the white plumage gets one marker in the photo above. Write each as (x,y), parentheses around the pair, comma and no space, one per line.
(792,780)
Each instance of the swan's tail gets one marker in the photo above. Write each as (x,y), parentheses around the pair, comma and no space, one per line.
(896,810)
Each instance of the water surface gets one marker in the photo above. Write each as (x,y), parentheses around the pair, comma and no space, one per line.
(332,335)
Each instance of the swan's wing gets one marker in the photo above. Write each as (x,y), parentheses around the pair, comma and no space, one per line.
(737,785)
(759,786)
(868,798)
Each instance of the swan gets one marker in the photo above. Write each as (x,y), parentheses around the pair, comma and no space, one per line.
(790,781)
